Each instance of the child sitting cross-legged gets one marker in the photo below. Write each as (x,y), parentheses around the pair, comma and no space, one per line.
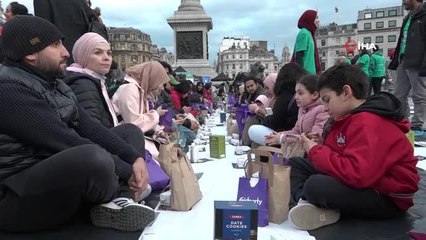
(312,114)
(365,166)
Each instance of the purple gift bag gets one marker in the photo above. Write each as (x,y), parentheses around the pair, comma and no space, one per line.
(158,179)
(257,194)
(167,121)
(241,114)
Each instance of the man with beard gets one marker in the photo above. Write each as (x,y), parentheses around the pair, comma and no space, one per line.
(54,159)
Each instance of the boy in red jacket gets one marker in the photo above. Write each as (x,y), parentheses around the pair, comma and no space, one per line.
(364,167)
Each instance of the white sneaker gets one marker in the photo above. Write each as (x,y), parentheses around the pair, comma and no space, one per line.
(307,216)
(122,214)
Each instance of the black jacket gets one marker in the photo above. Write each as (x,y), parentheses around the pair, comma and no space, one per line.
(285,112)
(71,17)
(415,52)
(88,91)
(40,118)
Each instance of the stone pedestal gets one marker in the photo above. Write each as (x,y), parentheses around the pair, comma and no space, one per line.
(191,26)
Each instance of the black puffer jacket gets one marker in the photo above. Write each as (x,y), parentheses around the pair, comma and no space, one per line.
(89,95)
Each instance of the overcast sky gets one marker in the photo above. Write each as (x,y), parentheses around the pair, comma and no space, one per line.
(271,20)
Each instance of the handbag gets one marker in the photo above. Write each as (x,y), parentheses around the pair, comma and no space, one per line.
(158,179)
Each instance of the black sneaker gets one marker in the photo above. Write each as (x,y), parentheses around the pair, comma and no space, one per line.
(122,214)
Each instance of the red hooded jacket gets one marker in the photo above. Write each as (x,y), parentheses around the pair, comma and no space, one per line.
(369,149)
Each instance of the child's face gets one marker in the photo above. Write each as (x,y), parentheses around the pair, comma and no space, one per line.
(337,106)
(304,97)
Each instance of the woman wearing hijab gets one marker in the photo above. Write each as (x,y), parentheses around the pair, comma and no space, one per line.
(86,77)
(131,101)
(305,48)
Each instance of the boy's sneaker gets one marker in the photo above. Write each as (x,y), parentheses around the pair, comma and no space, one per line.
(122,214)
(308,217)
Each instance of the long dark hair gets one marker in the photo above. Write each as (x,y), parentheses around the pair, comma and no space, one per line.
(287,77)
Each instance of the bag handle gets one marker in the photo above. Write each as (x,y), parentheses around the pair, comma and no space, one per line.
(258,152)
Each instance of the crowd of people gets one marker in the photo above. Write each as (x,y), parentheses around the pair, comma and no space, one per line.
(70,141)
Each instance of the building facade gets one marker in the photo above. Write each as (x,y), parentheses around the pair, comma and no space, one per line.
(331,41)
(381,26)
(239,54)
(130,46)
(285,56)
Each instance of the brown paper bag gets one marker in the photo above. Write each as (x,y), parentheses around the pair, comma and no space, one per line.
(185,190)
(293,149)
(278,176)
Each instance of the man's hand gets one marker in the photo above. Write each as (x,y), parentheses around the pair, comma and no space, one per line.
(138,182)
(308,144)
(273,138)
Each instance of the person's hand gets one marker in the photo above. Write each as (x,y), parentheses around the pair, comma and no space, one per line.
(273,138)
(308,144)
(261,111)
(187,109)
(138,182)
(315,137)
(161,111)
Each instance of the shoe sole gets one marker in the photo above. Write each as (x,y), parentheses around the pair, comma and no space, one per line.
(309,217)
(130,218)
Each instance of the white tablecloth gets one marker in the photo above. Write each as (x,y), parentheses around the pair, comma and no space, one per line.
(219,182)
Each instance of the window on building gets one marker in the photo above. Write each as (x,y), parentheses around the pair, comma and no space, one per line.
(338,41)
(241,56)
(227,56)
(367,40)
(367,25)
(241,66)
(144,59)
(392,38)
(227,67)
(267,66)
(123,58)
(392,13)
(392,23)
(135,59)
(323,42)
(233,76)
(367,15)
(121,37)
(276,68)
(379,39)
(380,24)
(380,14)
(233,66)
(233,56)
(323,54)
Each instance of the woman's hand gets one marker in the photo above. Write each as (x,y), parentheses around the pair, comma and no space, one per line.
(316,137)
(161,111)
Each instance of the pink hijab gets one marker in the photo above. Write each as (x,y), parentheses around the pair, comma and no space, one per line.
(270,83)
(82,50)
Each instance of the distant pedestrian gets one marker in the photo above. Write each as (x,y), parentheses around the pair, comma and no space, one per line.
(377,70)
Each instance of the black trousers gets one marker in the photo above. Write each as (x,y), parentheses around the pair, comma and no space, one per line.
(376,83)
(134,136)
(327,192)
(53,190)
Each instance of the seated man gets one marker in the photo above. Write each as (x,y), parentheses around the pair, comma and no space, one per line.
(54,159)
(365,167)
